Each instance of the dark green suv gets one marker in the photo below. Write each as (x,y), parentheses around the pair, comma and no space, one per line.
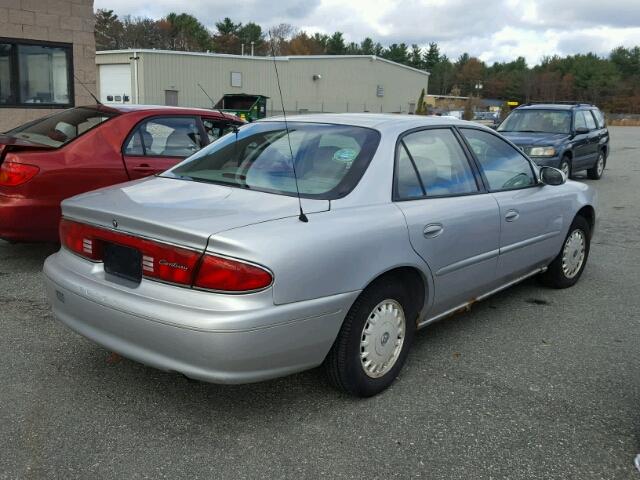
(571,137)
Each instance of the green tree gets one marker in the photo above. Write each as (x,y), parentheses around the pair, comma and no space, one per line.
(109,30)
(415,57)
(432,56)
(187,33)
(421,108)
(367,47)
(335,44)
(397,53)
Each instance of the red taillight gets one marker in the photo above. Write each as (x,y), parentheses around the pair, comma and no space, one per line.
(13,174)
(167,263)
(227,275)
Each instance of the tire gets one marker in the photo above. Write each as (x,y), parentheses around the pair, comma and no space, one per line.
(595,172)
(565,270)
(386,301)
(565,166)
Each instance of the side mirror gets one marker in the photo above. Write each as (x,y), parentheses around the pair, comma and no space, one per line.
(582,131)
(551,176)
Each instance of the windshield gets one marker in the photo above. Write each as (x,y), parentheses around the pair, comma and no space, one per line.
(329,159)
(60,128)
(542,121)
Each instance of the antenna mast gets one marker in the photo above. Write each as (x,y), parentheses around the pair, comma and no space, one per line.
(87,89)
(302,217)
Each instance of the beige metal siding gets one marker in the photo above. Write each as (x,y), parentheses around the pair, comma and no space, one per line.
(346,83)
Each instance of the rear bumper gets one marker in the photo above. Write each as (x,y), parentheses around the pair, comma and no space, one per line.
(206,336)
(28,220)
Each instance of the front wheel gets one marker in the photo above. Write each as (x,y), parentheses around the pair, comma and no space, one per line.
(565,167)
(374,340)
(595,172)
(567,267)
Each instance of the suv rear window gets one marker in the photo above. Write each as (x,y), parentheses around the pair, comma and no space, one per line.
(599,117)
(329,159)
(60,128)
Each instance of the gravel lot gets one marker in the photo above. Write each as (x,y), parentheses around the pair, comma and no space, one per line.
(532,383)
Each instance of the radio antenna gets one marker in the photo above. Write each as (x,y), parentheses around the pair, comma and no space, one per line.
(302,217)
(87,89)
(210,99)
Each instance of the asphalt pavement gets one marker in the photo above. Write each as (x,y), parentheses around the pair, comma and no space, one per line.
(531,383)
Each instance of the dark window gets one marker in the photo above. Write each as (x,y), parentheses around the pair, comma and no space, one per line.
(504,167)
(60,128)
(329,159)
(165,137)
(35,74)
(215,128)
(537,120)
(408,186)
(441,164)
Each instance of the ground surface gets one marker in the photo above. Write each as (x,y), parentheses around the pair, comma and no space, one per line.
(532,383)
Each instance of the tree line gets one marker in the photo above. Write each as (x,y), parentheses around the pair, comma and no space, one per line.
(612,82)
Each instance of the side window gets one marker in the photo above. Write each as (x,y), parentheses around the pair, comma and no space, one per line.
(439,162)
(591,123)
(504,167)
(580,121)
(165,137)
(215,128)
(599,118)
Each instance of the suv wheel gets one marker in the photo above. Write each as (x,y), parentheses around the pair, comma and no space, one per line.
(374,340)
(565,166)
(595,172)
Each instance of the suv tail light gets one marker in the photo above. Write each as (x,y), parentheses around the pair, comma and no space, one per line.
(168,263)
(13,174)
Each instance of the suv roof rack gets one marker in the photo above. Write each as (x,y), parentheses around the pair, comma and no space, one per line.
(558,102)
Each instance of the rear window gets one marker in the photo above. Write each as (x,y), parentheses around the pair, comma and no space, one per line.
(329,159)
(60,128)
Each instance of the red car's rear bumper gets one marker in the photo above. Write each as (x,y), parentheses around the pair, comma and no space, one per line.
(28,220)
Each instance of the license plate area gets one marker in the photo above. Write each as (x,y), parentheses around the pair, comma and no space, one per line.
(124,262)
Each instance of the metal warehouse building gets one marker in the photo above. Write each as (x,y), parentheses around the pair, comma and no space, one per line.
(349,83)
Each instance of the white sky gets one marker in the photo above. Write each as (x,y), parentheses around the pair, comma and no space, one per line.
(494,30)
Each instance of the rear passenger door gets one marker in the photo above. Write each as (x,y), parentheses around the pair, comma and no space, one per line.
(531,219)
(584,148)
(159,143)
(453,223)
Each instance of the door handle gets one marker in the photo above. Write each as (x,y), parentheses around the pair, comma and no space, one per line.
(432,230)
(143,167)
(512,216)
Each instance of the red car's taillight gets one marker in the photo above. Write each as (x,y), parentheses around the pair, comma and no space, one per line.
(13,174)
(228,275)
(165,262)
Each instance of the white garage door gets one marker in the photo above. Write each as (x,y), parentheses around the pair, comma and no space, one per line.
(115,83)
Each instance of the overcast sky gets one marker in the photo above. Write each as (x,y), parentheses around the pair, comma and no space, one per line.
(494,30)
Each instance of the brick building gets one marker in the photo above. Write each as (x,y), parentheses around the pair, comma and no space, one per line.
(46,47)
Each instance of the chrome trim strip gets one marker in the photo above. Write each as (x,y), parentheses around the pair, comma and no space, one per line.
(467,262)
(527,242)
(466,305)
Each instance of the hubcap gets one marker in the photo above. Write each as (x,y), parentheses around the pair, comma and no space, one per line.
(565,169)
(382,338)
(573,253)
(600,166)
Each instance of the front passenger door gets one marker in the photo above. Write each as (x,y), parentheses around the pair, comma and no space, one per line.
(159,143)
(531,218)
(453,223)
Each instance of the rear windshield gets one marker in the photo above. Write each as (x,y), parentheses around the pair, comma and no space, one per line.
(329,159)
(538,121)
(60,128)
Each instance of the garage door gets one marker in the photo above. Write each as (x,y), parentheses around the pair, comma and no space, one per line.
(115,83)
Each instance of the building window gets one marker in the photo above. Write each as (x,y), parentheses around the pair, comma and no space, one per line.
(236,79)
(35,74)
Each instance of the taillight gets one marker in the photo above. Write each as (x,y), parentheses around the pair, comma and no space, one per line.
(13,174)
(165,262)
(228,275)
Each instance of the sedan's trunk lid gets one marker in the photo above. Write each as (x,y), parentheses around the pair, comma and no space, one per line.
(183,212)
(10,143)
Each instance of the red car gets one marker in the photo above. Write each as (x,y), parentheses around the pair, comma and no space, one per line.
(84,148)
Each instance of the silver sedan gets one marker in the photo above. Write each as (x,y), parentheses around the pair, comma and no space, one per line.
(330,239)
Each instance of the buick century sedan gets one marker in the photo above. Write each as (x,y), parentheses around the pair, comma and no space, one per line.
(234,266)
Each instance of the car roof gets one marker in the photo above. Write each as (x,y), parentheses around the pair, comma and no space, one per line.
(555,106)
(121,108)
(373,120)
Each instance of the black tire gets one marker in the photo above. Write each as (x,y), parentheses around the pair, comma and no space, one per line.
(565,166)
(556,275)
(595,172)
(343,364)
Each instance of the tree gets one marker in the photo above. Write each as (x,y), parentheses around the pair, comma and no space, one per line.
(367,47)
(187,33)
(396,53)
(421,108)
(415,57)
(303,44)
(335,44)
(278,38)
(432,56)
(109,30)
(251,32)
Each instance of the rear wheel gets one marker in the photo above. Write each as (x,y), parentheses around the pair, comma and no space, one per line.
(567,267)
(595,172)
(374,340)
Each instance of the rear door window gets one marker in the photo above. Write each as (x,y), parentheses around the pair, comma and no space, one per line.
(591,123)
(599,117)
(165,137)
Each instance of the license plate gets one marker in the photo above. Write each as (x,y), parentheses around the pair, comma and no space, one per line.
(125,262)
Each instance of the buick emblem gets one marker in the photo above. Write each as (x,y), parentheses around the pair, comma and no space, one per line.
(115,223)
